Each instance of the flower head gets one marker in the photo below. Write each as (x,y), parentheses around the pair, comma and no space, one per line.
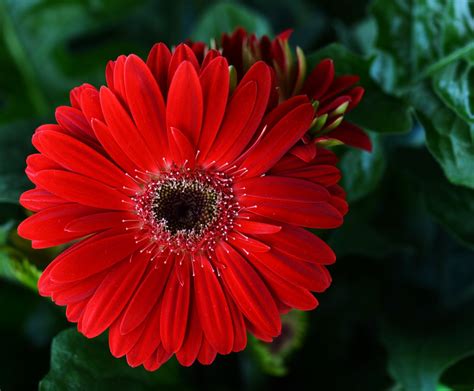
(332,96)
(185,205)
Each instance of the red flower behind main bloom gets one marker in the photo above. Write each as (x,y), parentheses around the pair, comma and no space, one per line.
(333,97)
(186,206)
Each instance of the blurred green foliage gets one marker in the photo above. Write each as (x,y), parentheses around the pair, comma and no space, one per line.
(399,313)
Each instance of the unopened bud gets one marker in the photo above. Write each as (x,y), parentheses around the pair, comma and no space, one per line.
(340,110)
(233,78)
(329,142)
(318,123)
(333,125)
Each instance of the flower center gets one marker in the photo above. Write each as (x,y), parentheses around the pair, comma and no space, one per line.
(187,210)
(186,206)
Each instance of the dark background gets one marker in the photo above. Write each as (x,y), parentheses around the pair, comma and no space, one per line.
(399,314)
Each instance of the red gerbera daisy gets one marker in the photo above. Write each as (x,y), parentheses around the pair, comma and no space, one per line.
(187,206)
(332,96)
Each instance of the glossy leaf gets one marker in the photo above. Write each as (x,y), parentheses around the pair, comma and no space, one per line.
(417,358)
(78,363)
(424,52)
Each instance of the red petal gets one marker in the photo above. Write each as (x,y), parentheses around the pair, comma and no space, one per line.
(237,115)
(356,95)
(210,55)
(247,244)
(279,112)
(38,162)
(147,295)
(305,152)
(181,54)
(319,79)
(325,175)
(98,222)
(49,223)
(193,339)
(67,294)
(276,190)
(75,311)
(312,215)
(162,355)
(256,227)
(352,135)
(240,331)
(333,104)
(90,104)
(74,122)
(279,140)
(92,256)
(146,104)
(248,290)
(82,159)
(180,148)
(106,139)
(244,114)
(339,85)
(120,344)
(46,286)
(118,77)
(75,95)
(124,131)
(157,359)
(207,353)
(213,310)
(184,109)
(292,295)
(148,341)
(307,275)
(109,74)
(174,313)
(158,61)
(340,204)
(80,189)
(112,295)
(257,331)
(215,90)
(300,243)
(38,199)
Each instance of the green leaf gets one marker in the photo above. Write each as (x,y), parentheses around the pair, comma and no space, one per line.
(78,363)
(226,17)
(419,355)
(377,111)
(416,38)
(448,137)
(425,51)
(362,170)
(272,357)
(453,85)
